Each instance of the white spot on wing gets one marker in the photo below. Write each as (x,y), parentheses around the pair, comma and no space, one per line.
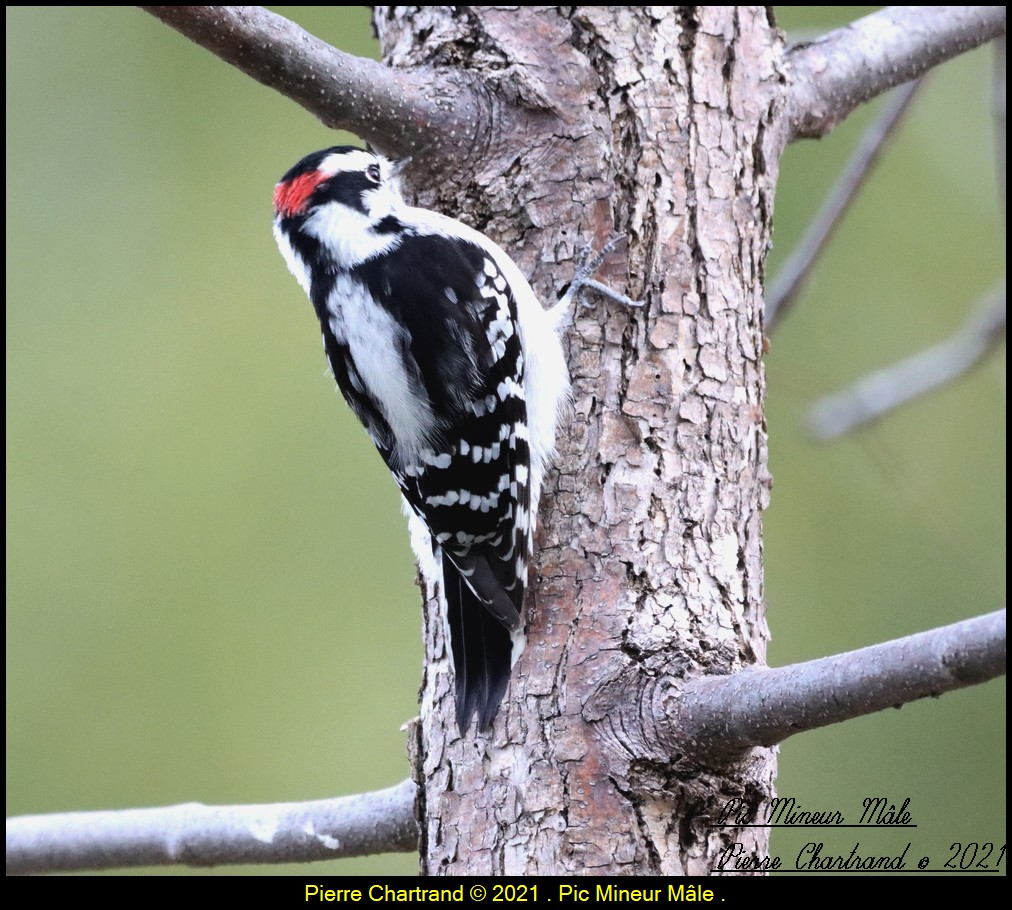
(441,461)
(443,499)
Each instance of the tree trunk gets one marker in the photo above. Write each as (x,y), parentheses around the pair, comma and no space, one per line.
(665,124)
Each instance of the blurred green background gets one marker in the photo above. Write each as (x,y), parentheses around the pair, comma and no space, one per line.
(209,587)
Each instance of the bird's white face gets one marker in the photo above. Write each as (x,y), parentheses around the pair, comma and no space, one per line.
(348,200)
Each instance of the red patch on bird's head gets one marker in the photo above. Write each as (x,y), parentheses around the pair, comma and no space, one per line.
(291,196)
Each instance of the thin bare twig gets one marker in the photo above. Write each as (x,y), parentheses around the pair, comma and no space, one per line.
(794,273)
(398,112)
(885,390)
(197,835)
(832,76)
(728,715)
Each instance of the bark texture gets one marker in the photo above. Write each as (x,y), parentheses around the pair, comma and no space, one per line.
(662,123)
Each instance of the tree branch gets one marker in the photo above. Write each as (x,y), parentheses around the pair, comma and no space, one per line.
(725,716)
(794,273)
(197,835)
(399,112)
(850,65)
(885,390)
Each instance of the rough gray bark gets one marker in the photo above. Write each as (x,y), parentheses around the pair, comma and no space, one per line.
(658,123)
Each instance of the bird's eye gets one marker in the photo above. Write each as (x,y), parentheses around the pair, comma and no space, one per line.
(373,173)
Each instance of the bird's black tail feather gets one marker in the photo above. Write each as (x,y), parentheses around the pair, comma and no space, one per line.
(482,650)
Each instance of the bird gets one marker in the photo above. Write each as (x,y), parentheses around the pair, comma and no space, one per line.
(457,372)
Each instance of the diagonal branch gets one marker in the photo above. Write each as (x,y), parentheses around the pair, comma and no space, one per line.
(197,835)
(398,112)
(885,390)
(795,271)
(725,716)
(851,65)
